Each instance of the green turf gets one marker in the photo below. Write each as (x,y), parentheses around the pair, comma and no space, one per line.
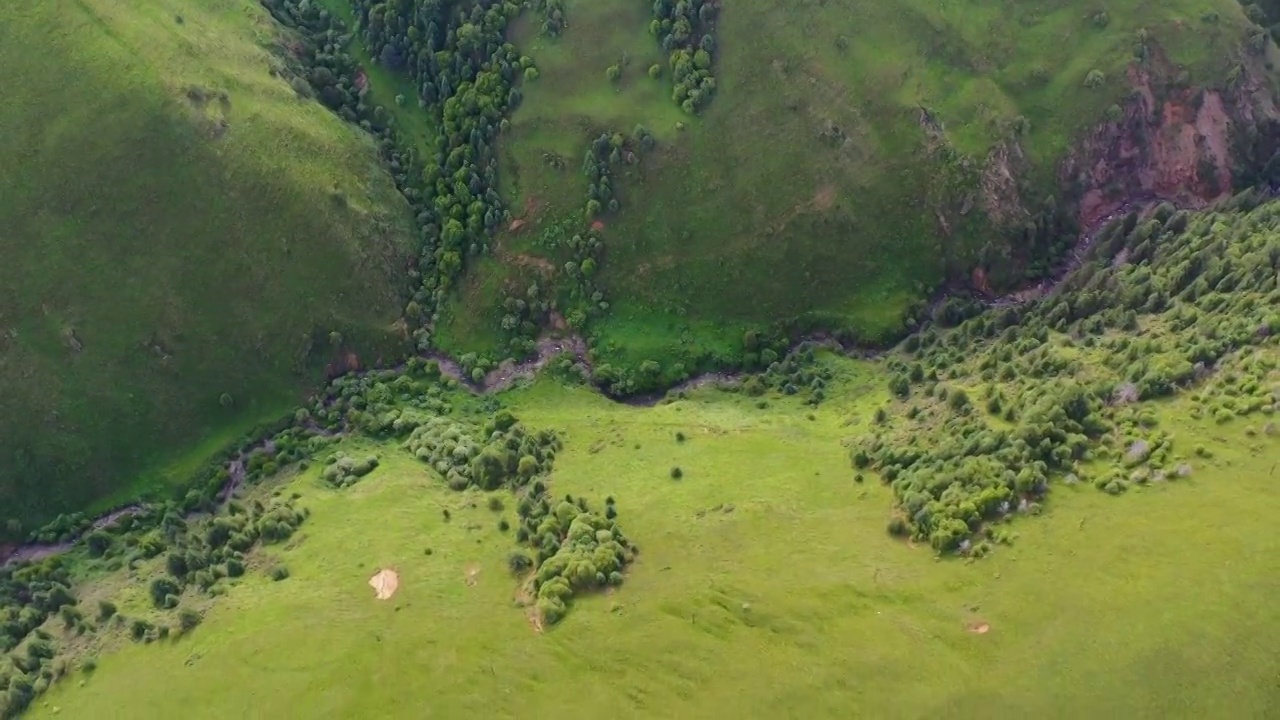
(155,258)
(750,215)
(765,587)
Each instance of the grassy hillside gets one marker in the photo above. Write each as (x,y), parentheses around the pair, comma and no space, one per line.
(181,234)
(1078,493)
(811,186)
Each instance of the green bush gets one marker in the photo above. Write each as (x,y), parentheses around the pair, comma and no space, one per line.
(188,620)
(106,609)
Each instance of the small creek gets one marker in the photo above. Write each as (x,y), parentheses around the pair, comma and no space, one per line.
(507,374)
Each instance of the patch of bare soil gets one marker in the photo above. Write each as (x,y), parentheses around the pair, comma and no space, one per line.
(385,584)
(473,573)
(979,628)
(824,198)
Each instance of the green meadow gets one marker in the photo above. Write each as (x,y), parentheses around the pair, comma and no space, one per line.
(765,586)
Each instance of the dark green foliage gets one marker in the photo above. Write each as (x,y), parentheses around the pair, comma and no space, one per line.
(106,609)
(578,551)
(162,591)
(64,528)
(98,543)
(519,563)
(188,620)
(554,15)
(685,31)
(799,373)
(466,75)
(342,471)
(502,454)
(1185,292)
(29,594)
(676,473)
(278,573)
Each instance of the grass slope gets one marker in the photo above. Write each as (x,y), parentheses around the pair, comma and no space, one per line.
(766,587)
(807,188)
(176,225)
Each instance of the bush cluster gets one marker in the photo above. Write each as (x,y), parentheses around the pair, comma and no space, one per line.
(1020,396)
(799,373)
(575,550)
(553,16)
(64,528)
(29,594)
(343,471)
(685,29)
(500,453)
(201,556)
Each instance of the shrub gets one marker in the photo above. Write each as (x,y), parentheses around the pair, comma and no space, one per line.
(162,589)
(613,73)
(679,436)
(655,71)
(106,609)
(1095,79)
(98,543)
(495,503)
(676,473)
(503,525)
(188,619)
(279,572)
(519,563)
(898,526)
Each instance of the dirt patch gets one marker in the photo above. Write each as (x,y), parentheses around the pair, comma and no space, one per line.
(824,198)
(1168,143)
(385,584)
(978,627)
(516,225)
(534,262)
(473,575)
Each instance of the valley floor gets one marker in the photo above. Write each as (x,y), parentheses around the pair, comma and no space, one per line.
(766,586)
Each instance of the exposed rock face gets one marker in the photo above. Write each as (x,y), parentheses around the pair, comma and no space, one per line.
(1000,197)
(1170,143)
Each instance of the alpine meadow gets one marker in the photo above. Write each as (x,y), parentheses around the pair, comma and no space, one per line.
(663,358)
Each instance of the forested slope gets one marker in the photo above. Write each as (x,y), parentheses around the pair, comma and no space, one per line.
(680,182)
(180,234)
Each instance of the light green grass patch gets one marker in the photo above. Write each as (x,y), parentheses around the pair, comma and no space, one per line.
(765,587)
